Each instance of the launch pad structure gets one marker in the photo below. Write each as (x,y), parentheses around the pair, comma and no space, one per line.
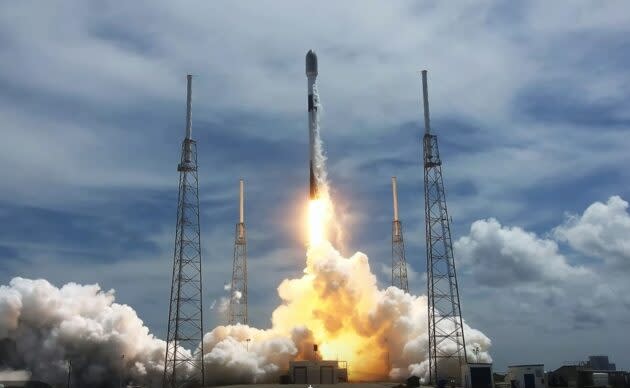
(185,324)
(237,310)
(399,262)
(446,330)
(185,321)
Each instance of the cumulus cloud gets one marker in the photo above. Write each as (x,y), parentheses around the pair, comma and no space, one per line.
(500,256)
(601,231)
(532,272)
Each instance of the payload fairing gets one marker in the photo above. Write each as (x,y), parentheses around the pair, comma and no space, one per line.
(311,75)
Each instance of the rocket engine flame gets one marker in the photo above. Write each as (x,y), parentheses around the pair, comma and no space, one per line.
(381,333)
(316,221)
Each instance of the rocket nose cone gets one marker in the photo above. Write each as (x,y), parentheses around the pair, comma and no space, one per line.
(311,63)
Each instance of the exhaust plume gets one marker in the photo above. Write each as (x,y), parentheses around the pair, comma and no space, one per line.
(46,327)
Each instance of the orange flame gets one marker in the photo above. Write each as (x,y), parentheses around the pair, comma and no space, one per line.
(343,342)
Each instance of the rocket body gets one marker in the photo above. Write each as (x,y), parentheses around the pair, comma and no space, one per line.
(311,75)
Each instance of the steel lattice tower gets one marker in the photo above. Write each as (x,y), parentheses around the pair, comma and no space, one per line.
(399,263)
(185,317)
(238,290)
(446,334)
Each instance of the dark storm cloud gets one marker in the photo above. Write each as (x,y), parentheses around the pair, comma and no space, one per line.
(588,319)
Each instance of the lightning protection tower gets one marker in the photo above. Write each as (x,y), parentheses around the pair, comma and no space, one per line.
(399,263)
(238,291)
(446,334)
(183,363)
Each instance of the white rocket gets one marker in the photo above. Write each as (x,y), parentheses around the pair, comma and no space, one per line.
(311,75)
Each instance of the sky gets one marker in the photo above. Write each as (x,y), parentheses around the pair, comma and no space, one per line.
(530,102)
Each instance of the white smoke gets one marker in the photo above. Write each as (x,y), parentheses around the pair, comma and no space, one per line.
(81,324)
(336,299)
(14,375)
(336,303)
(320,157)
(224,301)
(382,333)
(321,173)
(242,354)
(221,306)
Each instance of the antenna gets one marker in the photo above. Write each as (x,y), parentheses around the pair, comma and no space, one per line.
(188,140)
(425,95)
(189,107)
(395,197)
(241,203)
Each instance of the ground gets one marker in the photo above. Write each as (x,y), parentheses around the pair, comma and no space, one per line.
(343,385)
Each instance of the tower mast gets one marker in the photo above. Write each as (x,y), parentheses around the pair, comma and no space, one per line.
(399,263)
(446,330)
(185,317)
(238,290)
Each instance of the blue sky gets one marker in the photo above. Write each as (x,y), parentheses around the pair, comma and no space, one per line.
(530,104)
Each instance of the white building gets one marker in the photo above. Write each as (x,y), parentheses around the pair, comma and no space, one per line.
(526,376)
(318,372)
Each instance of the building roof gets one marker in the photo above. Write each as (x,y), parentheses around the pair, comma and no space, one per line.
(315,362)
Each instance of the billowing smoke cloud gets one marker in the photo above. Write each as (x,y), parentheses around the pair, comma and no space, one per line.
(336,304)
(379,332)
(45,327)
(242,354)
